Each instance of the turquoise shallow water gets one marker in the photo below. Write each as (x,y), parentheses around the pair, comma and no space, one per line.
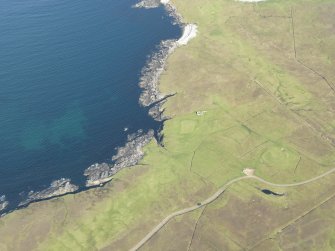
(69,85)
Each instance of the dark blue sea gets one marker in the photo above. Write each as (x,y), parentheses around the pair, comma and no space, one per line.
(69,73)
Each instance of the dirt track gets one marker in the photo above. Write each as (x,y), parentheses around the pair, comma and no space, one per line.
(215,196)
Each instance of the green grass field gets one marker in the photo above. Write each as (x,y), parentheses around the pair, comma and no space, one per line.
(264,72)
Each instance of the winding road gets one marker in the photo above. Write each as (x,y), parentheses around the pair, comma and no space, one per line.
(215,196)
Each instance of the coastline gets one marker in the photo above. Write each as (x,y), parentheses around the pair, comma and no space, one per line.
(243,127)
(3,203)
(98,174)
(151,97)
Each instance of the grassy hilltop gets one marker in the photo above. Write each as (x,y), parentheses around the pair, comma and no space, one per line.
(264,72)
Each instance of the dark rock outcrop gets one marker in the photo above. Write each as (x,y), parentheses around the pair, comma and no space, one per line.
(57,188)
(98,174)
(126,156)
(157,112)
(132,153)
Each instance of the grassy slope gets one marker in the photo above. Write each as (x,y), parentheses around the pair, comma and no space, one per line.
(267,108)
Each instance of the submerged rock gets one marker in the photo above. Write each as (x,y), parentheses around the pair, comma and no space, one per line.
(57,188)
(126,156)
(3,203)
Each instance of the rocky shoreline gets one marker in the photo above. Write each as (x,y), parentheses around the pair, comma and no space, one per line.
(156,64)
(126,156)
(131,153)
(57,188)
(171,10)
(152,71)
(3,203)
(97,174)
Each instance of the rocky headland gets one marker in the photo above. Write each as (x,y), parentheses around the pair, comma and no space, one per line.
(126,156)
(57,188)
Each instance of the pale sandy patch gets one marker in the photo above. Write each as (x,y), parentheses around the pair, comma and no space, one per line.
(249,171)
(190,32)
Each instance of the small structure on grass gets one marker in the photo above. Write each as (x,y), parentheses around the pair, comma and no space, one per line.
(200,113)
